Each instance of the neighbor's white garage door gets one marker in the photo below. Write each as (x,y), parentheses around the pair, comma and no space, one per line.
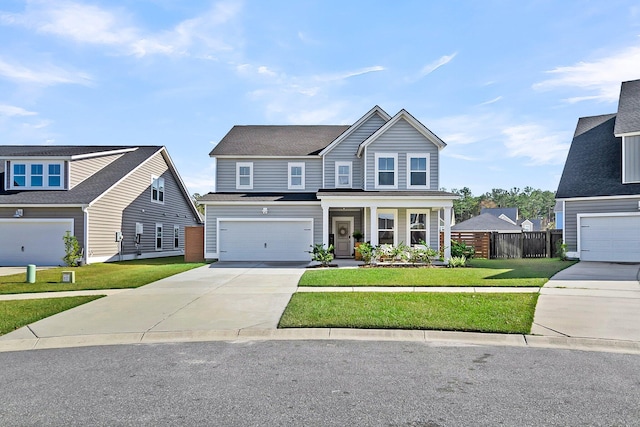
(26,241)
(610,238)
(265,240)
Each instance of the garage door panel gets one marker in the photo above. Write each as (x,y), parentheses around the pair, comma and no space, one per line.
(610,238)
(33,242)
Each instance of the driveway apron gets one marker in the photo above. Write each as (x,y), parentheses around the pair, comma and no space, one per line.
(591,300)
(220,296)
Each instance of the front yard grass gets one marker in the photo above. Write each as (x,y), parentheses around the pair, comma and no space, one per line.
(114,275)
(481,272)
(497,313)
(15,314)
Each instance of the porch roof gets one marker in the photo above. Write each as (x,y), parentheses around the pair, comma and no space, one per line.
(257,197)
(386,199)
(350,193)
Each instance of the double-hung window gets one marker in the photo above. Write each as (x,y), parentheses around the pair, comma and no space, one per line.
(158,236)
(417,227)
(37,175)
(55,175)
(418,170)
(296,176)
(176,237)
(244,175)
(343,174)
(157,189)
(387,227)
(19,175)
(386,170)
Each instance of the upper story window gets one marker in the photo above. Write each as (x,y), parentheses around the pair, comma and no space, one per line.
(418,170)
(296,176)
(36,175)
(244,175)
(343,174)
(386,170)
(630,159)
(157,189)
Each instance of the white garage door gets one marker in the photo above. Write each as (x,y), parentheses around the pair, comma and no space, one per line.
(610,238)
(265,240)
(33,241)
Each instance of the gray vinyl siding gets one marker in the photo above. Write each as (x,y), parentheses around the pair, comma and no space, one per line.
(631,158)
(269,175)
(346,152)
(83,169)
(255,211)
(573,208)
(130,202)
(56,213)
(402,138)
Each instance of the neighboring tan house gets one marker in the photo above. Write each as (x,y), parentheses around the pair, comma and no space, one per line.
(280,189)
(600,184)
(120,202)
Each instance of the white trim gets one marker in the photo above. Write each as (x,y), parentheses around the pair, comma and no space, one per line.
(622,135)
(129,257)
(579,199)
(349,219)
(85,224)
(592,215)
(257,203)
(40,205)
(349,131)
(427,213)
(564,222)
(337,166)
(323,177)
(427,157)
(244,165)
(507,219)
(155,236)
(377,156)
(41,220)
(160,180)
(215,174)
(102,153)
(253,156)
(364,184)
(301,165)
(395,224)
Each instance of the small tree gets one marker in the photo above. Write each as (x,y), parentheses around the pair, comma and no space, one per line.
(71,249)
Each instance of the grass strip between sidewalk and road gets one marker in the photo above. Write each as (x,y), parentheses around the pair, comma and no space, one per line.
(481,272)
(497,313)
(18,313)
(112,275)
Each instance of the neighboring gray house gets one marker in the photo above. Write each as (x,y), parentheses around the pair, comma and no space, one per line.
(487,222)
(507,214)
(280,189)
(600,184)
(101,194)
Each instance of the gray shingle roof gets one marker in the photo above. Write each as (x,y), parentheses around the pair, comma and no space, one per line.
(56,150)
(485,222)
(511,213)
(628,119)
(594,163)
(259,197)
(276,140)
(86,191)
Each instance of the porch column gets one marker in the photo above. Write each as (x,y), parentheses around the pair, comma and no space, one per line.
(374,225)
(325,226)
(447,233)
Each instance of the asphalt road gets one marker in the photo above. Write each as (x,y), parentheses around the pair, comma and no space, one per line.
(318,383)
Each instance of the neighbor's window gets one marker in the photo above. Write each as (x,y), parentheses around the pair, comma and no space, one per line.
(418,222)
(244,175)
(157,189)
(176,236)
(158,237)
(296,176)
(417,174)
(386,170)
(386,227)
(19,175)
(37,175)
(343,174)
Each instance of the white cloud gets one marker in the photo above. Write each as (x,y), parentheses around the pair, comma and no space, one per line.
(492,101)
(45,75)
(536,143)
(347,74)
(431,67)
(11,111)
(601,78)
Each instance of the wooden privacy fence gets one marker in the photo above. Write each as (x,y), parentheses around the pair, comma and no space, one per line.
(528,244)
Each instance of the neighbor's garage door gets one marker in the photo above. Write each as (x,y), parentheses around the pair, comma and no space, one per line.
(25,241)
(265,240)
(610,238)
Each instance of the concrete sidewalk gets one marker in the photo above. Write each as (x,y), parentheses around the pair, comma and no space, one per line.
(591,300)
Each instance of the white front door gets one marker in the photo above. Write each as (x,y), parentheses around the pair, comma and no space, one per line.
(342,238)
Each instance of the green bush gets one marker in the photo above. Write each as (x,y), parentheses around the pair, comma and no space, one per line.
(71,249)
(457,261)
(366,251)
(459,249)
(322,255)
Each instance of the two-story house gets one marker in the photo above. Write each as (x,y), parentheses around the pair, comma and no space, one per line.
(120,202)
(281,189)
(600,185)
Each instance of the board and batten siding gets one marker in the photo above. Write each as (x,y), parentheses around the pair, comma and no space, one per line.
(631,149)
(573,208)
(52,213)
(130,202)
(213,212)
(79,170)
(346,151)
(402,138)
(269,175)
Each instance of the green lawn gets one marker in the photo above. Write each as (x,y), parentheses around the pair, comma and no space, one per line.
(113,275)
(499,313)
(15,314)
(482,272)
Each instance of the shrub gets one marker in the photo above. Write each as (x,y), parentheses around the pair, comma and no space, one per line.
(71,249)
(366,251)
(561,250)
(457,261)
(459,249)
(322,255)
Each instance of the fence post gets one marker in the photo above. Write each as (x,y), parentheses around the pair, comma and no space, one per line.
(522,244)
(548,243)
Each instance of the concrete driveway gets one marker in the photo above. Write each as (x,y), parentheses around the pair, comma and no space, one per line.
(221,296)
(591,300)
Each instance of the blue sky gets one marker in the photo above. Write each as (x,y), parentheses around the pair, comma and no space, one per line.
(501,82)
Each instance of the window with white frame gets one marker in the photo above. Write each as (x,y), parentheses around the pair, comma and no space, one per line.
(417,227)
(244,175)
(296,176)
(418,170)
(387,227)
(386,170)
(176,237)
(343,174)
(36,175)
(158,236)
(157,189)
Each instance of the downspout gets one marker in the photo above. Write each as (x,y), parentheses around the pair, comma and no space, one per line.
(85,256)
